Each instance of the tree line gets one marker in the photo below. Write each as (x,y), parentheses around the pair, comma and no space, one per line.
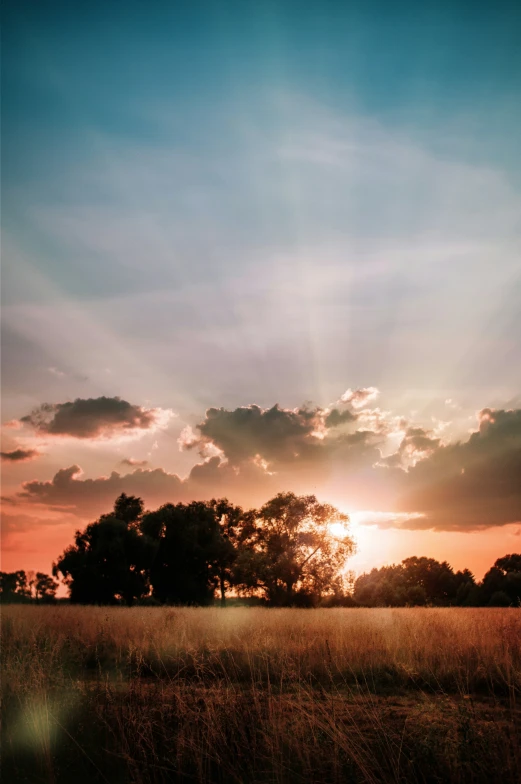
(425,581)
(284,553)
(24,586)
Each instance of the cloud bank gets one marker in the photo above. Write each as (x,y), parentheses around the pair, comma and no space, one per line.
(249,453)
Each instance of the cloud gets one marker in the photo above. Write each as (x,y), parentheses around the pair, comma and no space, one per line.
(94,418)
(384,519)
(19,455)
(250,453)
(382,422)
(417,444)
(277,434)
(67,489)
(289,442)
(469,485)
(360,397)
(335,417)
(12,424)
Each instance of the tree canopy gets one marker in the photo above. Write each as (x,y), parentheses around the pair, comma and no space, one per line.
(291,553)
(23,587)
(286,553)
(110,559)
(182,553)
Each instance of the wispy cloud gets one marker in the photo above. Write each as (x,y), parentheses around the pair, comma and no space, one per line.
(19,455)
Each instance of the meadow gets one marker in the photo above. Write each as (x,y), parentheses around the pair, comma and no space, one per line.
(255,695)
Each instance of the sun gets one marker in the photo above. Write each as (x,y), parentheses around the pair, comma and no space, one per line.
(338,530)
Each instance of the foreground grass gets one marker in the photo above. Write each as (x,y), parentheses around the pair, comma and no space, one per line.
(256,695)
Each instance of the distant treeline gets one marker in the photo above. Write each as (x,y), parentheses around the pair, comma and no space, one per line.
(285,554)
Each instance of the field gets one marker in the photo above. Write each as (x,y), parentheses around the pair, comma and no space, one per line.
(251,695)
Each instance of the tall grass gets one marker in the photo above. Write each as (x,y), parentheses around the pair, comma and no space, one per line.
(257,695)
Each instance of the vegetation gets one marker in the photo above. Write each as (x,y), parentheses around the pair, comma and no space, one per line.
(19,587)
(425,581)
(181,553)
(255,695)
(284,554)
(199,694)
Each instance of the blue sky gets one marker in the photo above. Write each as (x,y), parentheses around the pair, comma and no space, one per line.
(220,204)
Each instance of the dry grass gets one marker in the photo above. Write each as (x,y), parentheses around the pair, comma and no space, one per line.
(257,695)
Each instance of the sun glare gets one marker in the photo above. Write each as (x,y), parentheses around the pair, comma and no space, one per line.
(338,530)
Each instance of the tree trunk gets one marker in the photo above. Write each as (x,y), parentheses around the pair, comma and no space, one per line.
(223,590)
(289,592)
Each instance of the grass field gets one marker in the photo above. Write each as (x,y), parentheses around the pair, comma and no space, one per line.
(257,695)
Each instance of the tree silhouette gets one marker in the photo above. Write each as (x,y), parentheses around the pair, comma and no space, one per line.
(290,553)
(196,547)
(502,583)
(128,508)
(284,552)
(44,588)
(234,526)
(110,558)
(14,586)
(438,581)
(415,582)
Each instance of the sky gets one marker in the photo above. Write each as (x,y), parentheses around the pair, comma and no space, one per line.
(250,247)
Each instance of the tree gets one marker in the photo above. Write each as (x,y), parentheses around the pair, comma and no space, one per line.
(14,587)
(110,558)
(289,551)
(415,582)
(467,592)
(234,526)
(387,586)
(196,548)
(509,563)
(437,579)
(45,588)
(128,508)
(503,580)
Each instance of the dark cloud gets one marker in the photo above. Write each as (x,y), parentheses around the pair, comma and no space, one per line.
(469,485)
(275,433)
(207,472)
(130,461)
(417,440)
(91,418)
(335,417)
(19,455)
